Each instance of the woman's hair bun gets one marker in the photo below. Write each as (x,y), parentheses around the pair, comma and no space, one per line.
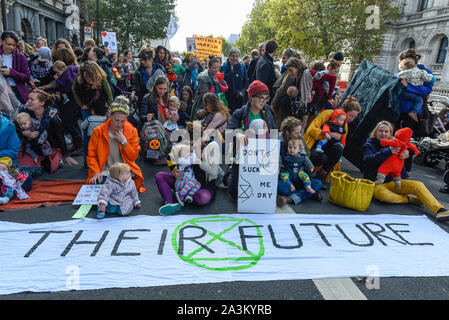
(122,100)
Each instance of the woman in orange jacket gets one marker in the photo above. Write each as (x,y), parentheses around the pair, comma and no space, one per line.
(116,140)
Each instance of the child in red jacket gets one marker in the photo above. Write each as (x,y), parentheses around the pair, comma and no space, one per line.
(394,163)
(335,124)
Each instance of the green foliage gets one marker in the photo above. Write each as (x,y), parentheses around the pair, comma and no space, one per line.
(318,28)
(255,30)
(135,21)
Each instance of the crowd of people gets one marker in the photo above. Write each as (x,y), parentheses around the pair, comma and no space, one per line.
(112,107)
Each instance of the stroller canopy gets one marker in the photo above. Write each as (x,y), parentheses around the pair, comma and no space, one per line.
(377,91)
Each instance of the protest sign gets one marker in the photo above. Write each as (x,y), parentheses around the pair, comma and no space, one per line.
(206,46)
(190,42)
(258,176)
(109,39)
(145,251)
(88,194)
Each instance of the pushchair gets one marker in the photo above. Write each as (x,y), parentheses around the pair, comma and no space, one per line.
(434,150)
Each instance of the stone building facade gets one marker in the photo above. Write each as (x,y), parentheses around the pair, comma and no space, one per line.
(50,19)
(424,26)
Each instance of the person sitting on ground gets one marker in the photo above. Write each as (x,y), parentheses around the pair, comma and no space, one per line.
(172,114)
(329,159)
(40,107)
(414,192)
(207,171)
(34,147)
(116,140)
(335,124)
(118,194)
(186,185)
(294,181)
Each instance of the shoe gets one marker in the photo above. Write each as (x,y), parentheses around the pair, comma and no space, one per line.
(442,215)
(100,215)
(4,200)
(444,189)
(281,201)
(317,196)
(324,186)
(180,200)
(321,175)
(188,199)
(169,209)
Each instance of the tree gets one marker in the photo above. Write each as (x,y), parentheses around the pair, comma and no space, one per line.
(134,21)
(256,29)
(318,28)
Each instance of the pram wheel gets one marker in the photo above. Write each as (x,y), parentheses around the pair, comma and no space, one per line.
(430,159)
(419,159)
(446,177)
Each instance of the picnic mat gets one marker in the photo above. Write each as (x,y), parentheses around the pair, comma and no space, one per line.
(46,193)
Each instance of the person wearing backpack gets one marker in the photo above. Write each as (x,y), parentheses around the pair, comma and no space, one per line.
(235,77)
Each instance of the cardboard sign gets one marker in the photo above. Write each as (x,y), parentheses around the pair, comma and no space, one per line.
(88,194)
(258,176)
(109,39)
(208,46)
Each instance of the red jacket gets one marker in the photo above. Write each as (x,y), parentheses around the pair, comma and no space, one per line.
(318,85)
(335,114)
(394,163)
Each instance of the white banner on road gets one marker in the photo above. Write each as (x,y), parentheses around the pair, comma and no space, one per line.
(147,251)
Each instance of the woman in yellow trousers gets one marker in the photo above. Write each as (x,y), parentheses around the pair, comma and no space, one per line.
(411,191)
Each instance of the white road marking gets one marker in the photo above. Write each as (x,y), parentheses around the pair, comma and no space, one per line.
(332,289)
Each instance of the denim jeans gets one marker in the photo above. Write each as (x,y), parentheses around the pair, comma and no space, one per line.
(298,195)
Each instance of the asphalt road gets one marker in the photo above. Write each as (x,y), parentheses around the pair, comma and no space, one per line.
(390,288)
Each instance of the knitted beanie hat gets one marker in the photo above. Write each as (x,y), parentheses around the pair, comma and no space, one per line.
(257,87)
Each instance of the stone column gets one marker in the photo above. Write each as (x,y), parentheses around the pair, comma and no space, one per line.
(52,32)
(445,71)
(42,24)
(17,19)
(37,26)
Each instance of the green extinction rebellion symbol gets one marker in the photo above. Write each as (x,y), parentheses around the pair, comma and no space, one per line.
(204,242)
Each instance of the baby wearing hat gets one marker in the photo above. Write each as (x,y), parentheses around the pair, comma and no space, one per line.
(40,69)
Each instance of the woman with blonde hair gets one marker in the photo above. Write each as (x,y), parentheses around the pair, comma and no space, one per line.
(414,192)
(116,140)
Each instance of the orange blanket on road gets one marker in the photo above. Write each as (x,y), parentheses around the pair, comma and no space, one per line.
(46,193)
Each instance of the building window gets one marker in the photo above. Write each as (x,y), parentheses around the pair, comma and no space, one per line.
(442,52)
(423,5)
(412,44)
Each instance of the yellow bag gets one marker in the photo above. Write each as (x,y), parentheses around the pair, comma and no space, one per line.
(351,193)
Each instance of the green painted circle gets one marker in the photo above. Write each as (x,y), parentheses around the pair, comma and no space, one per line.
(248,259)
